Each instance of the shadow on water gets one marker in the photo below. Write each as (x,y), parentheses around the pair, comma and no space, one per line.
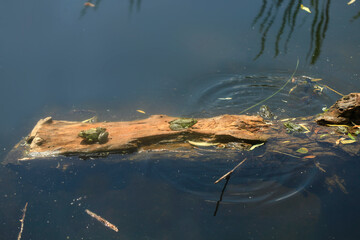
(290,17)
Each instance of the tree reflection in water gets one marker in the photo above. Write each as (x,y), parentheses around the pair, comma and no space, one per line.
(270,10)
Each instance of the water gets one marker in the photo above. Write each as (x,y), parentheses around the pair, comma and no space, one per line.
(197,59)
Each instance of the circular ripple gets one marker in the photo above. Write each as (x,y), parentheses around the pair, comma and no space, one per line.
(231,94)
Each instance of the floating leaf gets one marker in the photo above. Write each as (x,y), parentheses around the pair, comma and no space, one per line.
(285,141)
(89,4)
(347,141)
(305,8)
(315,79)
(351,136)
(310,156)
(302,150)
(141,111)
(226,98)
(90,120)
(255,146)
(351,2)
(203,144)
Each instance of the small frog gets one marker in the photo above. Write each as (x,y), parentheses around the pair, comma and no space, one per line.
(265,112)
(182,123)
(293,127)
(93,135)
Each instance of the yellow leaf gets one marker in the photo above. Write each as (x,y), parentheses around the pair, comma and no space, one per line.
(292,89)
(347,141)
(255,146)
(303,126)
(141,111)
(302,150)
(203,144)
(316,79)
(285,141)
(351,2)
(90,120)
(305,8)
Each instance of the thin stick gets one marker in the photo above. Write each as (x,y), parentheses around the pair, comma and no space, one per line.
(102,220)
(292,75)
(22,221)
(230,172)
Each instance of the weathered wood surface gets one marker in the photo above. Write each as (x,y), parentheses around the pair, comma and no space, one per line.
(52,137)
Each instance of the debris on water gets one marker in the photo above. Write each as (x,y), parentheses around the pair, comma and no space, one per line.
(102,220)
(141,111)
(305,8)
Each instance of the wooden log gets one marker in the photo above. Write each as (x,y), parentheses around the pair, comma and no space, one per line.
(53,137)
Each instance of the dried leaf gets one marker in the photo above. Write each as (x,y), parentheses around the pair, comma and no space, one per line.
(203,144)
(302,150)
(141,111)
(339,140)
(347,141)
(89,4)
(310,156)
(255,146)
(305,8)
(351,2)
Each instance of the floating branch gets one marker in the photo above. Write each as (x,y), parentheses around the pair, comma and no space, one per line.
(102,220)
(22,221)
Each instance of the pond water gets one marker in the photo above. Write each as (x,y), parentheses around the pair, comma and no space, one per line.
(179,58)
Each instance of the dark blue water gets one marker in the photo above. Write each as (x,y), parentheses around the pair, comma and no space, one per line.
(184,58)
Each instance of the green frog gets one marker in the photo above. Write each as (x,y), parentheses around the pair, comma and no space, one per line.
(293,127)
(265,112)
(182,123)
(93,135)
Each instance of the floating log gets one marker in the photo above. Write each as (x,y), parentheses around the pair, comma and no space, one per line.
(51,137)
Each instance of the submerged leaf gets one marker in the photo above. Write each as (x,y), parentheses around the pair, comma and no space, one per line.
(203,144)
(347,141)
(305,8)
(302,150)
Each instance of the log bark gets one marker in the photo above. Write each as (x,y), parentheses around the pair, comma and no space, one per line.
(51,138)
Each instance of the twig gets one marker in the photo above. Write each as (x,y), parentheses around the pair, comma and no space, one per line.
(22,221)
(102,220)
(230,172)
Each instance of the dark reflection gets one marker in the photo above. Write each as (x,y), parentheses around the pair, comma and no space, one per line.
(221,195)
(355,17)
(289,12)
(132,5)
(85,9)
